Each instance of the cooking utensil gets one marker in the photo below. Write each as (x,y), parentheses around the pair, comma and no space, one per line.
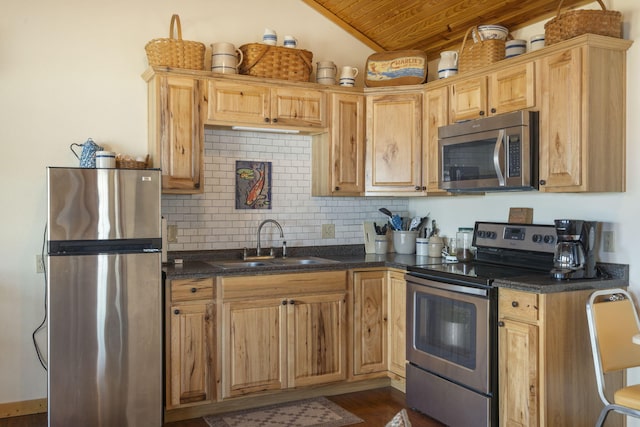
(396,222)
(386,211)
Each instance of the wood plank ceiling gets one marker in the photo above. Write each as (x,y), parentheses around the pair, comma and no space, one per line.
(431,25)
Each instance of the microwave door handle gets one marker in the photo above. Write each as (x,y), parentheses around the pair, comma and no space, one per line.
(496,157)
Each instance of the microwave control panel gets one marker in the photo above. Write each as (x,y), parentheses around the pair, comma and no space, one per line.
(514,160)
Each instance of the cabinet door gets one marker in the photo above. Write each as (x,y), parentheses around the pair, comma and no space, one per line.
(254,338)
(512,89)
(298,107)
(190,364)
(369,322)
(394,143)
(236,103)
(436,114)
(468,99)
(317,339)
(180,141)
(397,323)
(518,373)
(561,149)
(338,155)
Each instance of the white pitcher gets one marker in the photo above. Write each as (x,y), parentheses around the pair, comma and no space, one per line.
(448,64)
(225,58)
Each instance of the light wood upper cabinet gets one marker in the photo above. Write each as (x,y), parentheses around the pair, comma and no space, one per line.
(338,155)
(240,103)
(283,330)
(436,114)
(582,116)
(546,375)
(190,318)
(176,131)
(505,90)
(394,143)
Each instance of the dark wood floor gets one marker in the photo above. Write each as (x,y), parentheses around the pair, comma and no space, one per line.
(375,407)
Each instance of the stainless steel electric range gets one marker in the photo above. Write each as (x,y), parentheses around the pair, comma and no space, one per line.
(452,312)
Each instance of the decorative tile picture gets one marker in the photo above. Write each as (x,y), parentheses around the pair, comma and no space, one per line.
(253,185)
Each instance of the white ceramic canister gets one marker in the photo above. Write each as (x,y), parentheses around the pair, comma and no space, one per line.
(381,244)
(326,72)
(515,48)
(405,241)
(448,64)
(422,246)
(536,42)
(105,159)
(436,244)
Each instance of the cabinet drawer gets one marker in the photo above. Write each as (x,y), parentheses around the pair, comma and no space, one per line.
(283,284)
(518,305)
(192,289)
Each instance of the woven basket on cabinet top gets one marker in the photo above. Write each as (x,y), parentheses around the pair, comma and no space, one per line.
(175,53)
(573,23)
(284,63)
(479,54)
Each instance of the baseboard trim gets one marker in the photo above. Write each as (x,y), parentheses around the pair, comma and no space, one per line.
(26,407)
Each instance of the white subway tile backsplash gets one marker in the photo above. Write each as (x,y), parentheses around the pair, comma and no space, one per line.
(210,221)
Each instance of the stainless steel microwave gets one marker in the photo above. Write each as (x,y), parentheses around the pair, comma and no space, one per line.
(498,153)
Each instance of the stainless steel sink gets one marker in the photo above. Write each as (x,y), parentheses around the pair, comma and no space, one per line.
(305,260)
(275,262)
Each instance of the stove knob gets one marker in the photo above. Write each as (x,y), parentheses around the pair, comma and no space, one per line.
(482,234)
(537,238)
(493,235)
(549,238)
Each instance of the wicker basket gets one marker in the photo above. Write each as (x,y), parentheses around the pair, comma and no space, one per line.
(176,53)
(573,23)
(125,162)
(479,54)
(285,63)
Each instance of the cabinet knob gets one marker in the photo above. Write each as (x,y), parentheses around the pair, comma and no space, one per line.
(194,290)
(291,302)
(481,113)
(274,120)
(337,189)
(176,311)
(493,110)
(501,324)
(543,182)
(514,304)
(284,302)
(418,188)
(266,120)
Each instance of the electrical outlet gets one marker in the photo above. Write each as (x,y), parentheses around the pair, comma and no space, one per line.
(328,231)
(608,242)
(172,233)
(39,264)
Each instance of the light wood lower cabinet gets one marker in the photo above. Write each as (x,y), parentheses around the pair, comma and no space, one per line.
(379,322)
(190,319)
(546,375)
(282,331)
(397,323)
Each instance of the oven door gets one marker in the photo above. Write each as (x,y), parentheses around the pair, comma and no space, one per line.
(449,332)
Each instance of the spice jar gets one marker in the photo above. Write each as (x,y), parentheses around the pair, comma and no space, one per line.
(464,237)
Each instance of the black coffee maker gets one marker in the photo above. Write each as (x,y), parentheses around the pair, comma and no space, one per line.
(574,256)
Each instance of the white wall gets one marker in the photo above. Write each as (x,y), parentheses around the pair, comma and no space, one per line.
(70,69)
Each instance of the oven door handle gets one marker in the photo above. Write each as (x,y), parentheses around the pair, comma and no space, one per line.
(496,156)
(468,290)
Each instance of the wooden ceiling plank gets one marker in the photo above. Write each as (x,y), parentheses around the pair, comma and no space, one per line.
(342,24)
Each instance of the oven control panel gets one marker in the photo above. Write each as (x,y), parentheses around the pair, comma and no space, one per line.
(524,237)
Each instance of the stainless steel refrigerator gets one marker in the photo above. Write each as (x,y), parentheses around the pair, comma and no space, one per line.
(104,297)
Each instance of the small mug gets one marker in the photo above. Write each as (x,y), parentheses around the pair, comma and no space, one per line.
(105,159)
(290,41)
(536,42)
(269,37)
(349,72)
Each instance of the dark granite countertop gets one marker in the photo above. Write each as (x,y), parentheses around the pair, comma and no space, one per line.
(203,263)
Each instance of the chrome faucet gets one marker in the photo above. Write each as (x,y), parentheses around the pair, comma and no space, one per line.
(258,248)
